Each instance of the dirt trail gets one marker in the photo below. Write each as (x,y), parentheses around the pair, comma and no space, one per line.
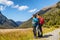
(54,35)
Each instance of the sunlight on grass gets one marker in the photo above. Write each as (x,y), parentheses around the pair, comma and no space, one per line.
(22,34)
(59,35)
(18,35)
(45,30)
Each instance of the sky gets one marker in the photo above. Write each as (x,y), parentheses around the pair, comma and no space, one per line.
(22,10)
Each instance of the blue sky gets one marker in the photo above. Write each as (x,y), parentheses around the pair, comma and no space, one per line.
(22,10)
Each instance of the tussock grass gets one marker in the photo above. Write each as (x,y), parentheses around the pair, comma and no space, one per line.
(59,35)
(22,34)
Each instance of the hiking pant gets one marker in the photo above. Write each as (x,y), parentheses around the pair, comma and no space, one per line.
(40,33)
(34,30)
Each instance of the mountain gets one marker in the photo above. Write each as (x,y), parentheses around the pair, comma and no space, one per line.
(19,22)
(6,23)
(50,14)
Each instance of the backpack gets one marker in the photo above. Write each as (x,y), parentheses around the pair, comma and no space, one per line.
(41,20)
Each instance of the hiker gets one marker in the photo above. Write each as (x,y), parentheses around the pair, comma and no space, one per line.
(40,23)
(35,23)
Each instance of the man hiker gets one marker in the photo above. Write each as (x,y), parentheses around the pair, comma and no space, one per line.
(35,23)
(40,23)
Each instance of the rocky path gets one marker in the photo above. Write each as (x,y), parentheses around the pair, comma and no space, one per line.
(54,35)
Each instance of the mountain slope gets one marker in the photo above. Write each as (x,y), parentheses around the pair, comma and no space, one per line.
(6,23)
(19,22)
(50,14)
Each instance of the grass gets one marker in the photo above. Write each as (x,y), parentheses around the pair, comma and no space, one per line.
(59,35)
(22,34)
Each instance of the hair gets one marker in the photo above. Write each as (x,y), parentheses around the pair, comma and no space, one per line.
(34,15)
(38,14)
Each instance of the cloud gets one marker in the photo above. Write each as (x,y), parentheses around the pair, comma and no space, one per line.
(20,7)
(23,7)
(9,3)
(6,2)
(33,10)
(16,6)
(12,5)
(2,8)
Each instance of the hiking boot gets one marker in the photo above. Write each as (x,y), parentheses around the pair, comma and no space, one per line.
(40,36)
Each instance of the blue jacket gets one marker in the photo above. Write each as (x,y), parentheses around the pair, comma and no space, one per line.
(34,21)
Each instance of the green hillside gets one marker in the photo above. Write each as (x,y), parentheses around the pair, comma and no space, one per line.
(26,24)
(50,14)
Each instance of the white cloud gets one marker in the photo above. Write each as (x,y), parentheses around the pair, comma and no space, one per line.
(20,7)
(2,8)
(6,2)
(33,10)
(11,4)
(2,1)
(23,7)
(16,6)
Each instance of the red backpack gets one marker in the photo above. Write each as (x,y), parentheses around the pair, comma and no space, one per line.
(41,20)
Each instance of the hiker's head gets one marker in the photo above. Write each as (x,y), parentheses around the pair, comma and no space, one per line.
(34,15)
(38,16)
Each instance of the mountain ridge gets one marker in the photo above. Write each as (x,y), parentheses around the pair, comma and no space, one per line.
(48,14)
(6,23)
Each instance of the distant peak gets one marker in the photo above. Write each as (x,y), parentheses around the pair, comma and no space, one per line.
(0,11)
(59,2)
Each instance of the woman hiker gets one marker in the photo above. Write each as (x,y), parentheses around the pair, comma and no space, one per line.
(35,24)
